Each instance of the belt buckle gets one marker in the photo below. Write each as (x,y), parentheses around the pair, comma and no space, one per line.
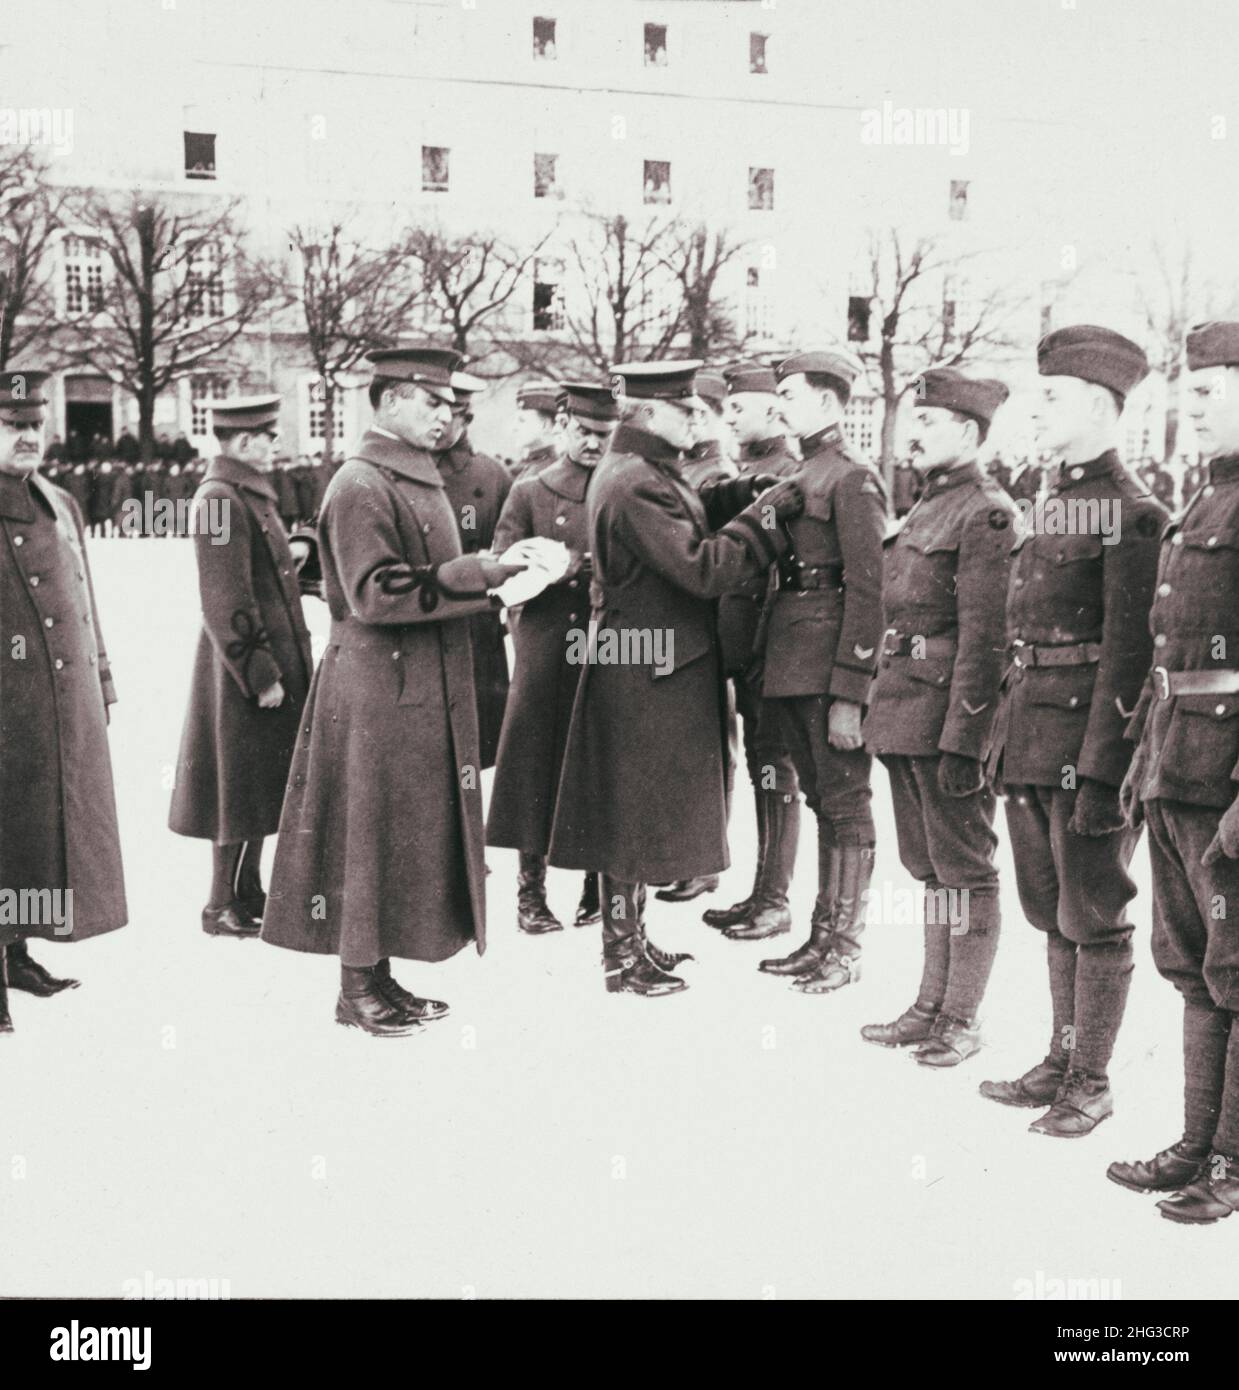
(1161,682)
(1017,648)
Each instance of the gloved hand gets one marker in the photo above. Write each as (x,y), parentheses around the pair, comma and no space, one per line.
(1130,806)
(783,500)
(763,482)
(1097,809)
(1226,838)
(496,572)
(958,775)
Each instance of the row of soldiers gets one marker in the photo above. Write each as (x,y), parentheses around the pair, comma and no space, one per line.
(1078,664)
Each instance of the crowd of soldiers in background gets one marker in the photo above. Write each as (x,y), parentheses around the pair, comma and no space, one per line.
(1025,479)
(101,476)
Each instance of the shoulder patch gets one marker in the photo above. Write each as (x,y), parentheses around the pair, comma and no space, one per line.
(999,519)
(1149,524)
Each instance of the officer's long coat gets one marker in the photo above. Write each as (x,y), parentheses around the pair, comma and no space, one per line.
(477,486)
(381,847)
(57,807)
(944,592)
(234,756)
(544,682)
(641,793)
(1070,588)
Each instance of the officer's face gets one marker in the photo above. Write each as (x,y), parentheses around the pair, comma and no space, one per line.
(752,416)
(1067,410)
(461,415)
(937,438)
(585,441)
(418,417)
(804,408)
(533,427)
(1213,404)
(674,423)
(257,448)
(21,442)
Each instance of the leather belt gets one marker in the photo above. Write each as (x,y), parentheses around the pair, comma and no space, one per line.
(803,578)
(905,644)
(1026,654)
(1168,684)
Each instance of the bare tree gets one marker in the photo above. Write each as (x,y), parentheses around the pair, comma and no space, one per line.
(699,259)
(353,298)
(623,302)
(30,216)
(928,316)
(178,292)
(469,287)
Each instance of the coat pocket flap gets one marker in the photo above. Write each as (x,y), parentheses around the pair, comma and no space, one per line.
(1208,706)
(1066,687)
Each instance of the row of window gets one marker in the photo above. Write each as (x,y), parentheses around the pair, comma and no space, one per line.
(654,45)
(83,265)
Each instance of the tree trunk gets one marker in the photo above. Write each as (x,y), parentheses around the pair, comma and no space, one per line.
(890,413)
(329,419)
(1172,415)
(146,424)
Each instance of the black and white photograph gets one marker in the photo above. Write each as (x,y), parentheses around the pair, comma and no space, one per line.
(619,671)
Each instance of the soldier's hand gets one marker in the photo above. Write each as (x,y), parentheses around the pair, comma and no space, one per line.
(763,482)
(843,726)
(959,776)
(1096,810)
(495,572)
(784,500)
(1225,842)
(1130,806)
(272,697)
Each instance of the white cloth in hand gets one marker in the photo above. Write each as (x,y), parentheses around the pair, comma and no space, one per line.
(546,562)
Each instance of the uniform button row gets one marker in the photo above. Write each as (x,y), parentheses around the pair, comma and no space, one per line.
(34,581)
(1163,589)
(19,540)
(1159,640)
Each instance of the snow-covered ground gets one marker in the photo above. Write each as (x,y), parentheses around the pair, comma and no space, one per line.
(193,1110)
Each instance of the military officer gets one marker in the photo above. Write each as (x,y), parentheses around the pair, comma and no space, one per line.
(251,671)
(477,486)
(380,850)
(536,431)
(933,702)
(58,837)
(820,654)
(1077,609)
(641,792)
(752,412)
(535,729)
(1184,780)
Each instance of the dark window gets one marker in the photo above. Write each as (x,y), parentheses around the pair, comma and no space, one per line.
(761,189)
(757,53)
(199,155)
(434,169)
(546,176)
(544,39)
(547,306)
(959,199)
(655,45)
(657,181)
(858,318)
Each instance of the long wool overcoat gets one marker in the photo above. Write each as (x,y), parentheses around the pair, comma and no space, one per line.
(381,849)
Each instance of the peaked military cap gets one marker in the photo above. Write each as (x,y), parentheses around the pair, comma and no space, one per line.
(659,381)
(431,367)
(23,392)
(1095,354)
(590,399)
(712,387)
(976,397)
(246,412)
(1214,344)
(539,395)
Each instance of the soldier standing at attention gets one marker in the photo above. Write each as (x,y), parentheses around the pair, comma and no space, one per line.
(1077,626)
(641,793)
(535,729)
(536,434)
(58,834)
(1184,780)
(752,412)
(251,672)
(380,851)
(476,486)
(932,706)
(820,654)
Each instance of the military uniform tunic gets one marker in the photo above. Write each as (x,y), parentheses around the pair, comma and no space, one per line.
(57,807)
(544,682)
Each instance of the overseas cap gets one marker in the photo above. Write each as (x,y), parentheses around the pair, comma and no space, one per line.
(1099,355)
(836,363)
(976,397)
(1214,344)
(749,376)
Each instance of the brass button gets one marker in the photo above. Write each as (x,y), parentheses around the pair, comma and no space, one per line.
(1177,538)
(34,581)
(49,622)
(1160,640)
(1220,709)
(59,664)
(1163,589)
(1077,472)
(395,656)
(559,520)
(1212,541)
(18,540)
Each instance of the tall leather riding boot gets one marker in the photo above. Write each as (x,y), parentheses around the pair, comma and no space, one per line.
(841,963)
(1103,979)
(533,916)
(363,1004)
(768,914)
(739,912)
(249,891)
(626,967)
(25,973)
(6,1019)
(1060,955)
(589,908)
(665,960)
(806,958)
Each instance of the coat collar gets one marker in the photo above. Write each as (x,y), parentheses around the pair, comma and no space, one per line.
(17,495)
(543,453)
(1077,474)
(457,458)
(1224,469)
(762,448)
(399,457)
(566,478)
(820,440)
(944,479)
(628,439)
(222,469)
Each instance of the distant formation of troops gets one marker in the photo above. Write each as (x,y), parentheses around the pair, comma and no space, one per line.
(733,580)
